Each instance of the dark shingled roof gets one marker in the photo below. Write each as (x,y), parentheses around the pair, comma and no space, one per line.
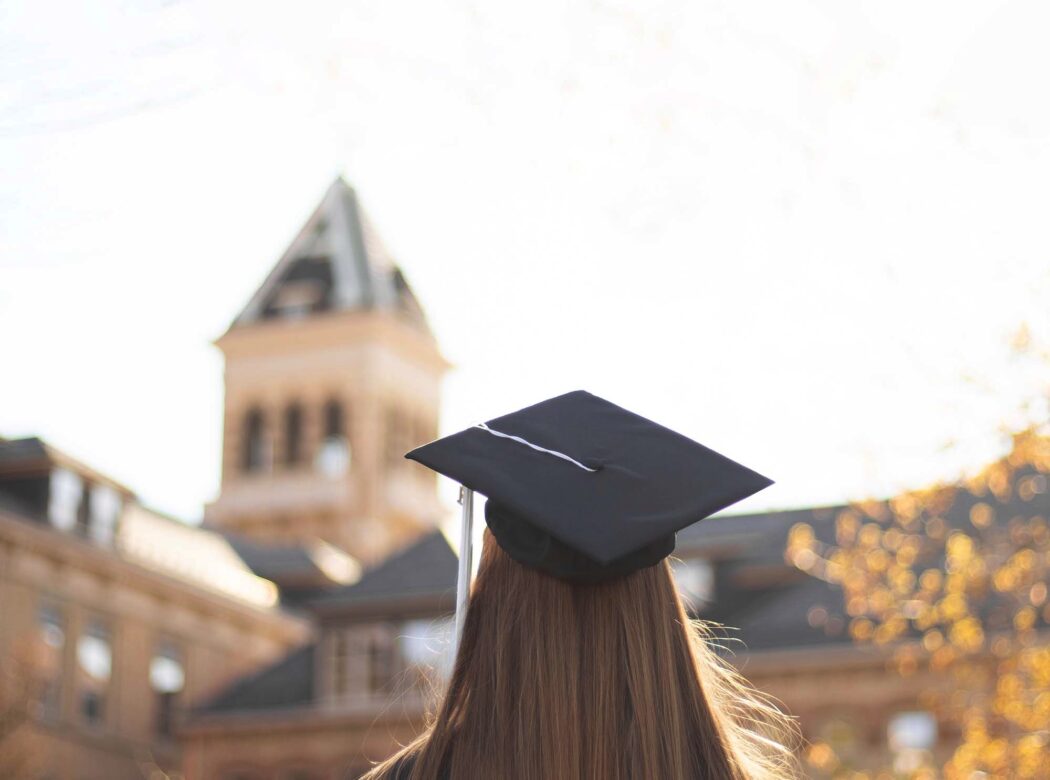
(426,567)
(292,567)
(778,618)
(338,255)
(22,450)
(287,684)
(773,612)
(33,456)
(276,562)
(757,534)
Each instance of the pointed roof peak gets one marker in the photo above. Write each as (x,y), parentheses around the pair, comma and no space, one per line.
(335,263)
(340,183)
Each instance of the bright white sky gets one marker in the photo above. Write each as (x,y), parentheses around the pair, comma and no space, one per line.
(801,233)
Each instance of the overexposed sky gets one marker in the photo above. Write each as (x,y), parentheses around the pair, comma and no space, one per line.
(799,232)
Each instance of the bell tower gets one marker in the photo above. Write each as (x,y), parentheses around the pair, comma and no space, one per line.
(331,375)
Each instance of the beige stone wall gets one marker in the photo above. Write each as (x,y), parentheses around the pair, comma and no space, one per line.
(840,691)
(387,377)
(317,746)
(218,638)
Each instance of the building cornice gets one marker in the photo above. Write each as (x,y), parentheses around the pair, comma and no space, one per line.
(20,535)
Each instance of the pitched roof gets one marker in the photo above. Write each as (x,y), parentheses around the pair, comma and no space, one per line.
(285,684)
(762,601)
(33,455)
(335,263)
(427,567)
(768,603)
(755,535)
(29,449)
(277,562)
(301,570)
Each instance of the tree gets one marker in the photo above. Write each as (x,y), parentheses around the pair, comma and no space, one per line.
(952,580)
(18,686)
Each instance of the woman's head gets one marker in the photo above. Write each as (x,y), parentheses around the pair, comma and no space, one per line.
(608,681)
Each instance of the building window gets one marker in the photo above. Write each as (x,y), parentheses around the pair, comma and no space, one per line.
(167,678)
(382,661)
(256,447)
(911,736)
(89,510)
(426,648)
(51,625)
(83,521)
(296,299)
(334,424)
(105,513)
(340,664)
(368,661)
(66,489)
(333,458)
(95,670)
(293,435)
(912,731)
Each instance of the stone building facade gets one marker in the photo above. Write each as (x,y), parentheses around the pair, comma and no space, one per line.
(114,619)
(331,373)
(303,630)
(363,687)
(351,696)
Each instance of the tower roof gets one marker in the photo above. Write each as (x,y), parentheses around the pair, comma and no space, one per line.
(335,263)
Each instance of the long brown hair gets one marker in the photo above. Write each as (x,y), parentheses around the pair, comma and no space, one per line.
(555,681)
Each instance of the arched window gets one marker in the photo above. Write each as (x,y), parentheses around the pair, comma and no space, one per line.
(334,456)
(334,424)
(94,670)
(52,626)
(167,677)
(293,435)
(256,453)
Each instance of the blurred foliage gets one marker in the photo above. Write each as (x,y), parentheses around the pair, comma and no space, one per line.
(959,605)
(18,688)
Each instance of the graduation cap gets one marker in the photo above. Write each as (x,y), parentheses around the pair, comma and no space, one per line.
(582,489)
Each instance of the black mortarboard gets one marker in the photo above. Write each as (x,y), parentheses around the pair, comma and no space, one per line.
(584,489)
